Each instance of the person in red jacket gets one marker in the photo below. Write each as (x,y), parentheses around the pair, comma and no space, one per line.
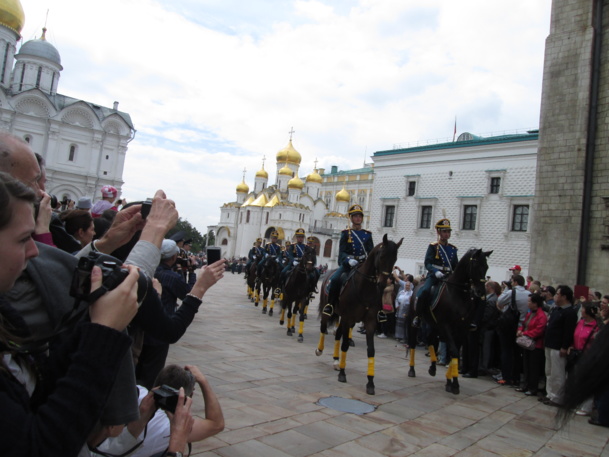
(533,326)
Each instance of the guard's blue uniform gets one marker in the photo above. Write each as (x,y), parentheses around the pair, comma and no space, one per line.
(439,257)
(256,251)
(293,252)
(270,250)
(354,244)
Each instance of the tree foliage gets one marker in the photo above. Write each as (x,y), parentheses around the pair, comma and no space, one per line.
(198,240)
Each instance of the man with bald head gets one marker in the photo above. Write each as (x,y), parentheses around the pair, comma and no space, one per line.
(18,159)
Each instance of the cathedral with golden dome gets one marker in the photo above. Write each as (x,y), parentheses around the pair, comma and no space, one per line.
(83,144)
(317,202)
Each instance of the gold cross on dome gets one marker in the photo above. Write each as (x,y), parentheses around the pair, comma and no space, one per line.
(291,132)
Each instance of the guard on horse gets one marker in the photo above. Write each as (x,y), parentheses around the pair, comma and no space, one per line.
(272,250)
(294,253)
(355,245)
(255,253)
(440,261)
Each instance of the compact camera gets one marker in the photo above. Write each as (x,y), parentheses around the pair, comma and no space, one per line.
(166,398)
(113,274)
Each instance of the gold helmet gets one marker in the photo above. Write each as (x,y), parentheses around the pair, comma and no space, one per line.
(443,224)
(258,240)
(274,234)
(355,209)
(310,240)
(299,232)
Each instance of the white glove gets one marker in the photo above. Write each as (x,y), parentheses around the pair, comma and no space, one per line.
(439,274)
(295,262)
(352,262)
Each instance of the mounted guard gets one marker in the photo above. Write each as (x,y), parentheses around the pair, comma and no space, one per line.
(440,261)
(355,245)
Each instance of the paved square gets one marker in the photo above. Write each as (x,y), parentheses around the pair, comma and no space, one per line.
(269,385)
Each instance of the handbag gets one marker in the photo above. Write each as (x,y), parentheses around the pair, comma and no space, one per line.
(508,320)
(525,342)
(387,307)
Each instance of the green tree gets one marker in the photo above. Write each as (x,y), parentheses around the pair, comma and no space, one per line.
(198,240)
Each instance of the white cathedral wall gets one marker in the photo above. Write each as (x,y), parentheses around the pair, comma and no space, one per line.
(471,170)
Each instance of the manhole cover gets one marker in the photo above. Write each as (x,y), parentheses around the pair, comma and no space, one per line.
(346,405)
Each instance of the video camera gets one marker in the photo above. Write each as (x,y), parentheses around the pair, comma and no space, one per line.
(113,274)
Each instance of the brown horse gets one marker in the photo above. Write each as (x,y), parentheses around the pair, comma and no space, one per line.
(459,295)
(296,290)
(359,301)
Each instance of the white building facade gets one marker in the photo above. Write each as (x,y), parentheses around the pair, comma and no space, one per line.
(83,144)
(485,186)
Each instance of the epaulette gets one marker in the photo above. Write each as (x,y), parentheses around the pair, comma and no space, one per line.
(452,245)
(435,243)
(367,231)
(346,230)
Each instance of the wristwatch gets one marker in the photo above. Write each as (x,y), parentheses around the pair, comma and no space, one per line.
(173,454)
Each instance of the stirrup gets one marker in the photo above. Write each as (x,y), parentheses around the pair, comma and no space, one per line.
(328,310)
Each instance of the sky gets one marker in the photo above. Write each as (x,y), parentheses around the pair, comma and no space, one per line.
(213,86)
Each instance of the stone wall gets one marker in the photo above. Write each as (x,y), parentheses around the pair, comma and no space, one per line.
(562,149)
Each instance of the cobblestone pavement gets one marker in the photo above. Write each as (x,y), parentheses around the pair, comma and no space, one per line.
(269,386)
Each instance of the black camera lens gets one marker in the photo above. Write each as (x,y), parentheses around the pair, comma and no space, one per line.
(54,201)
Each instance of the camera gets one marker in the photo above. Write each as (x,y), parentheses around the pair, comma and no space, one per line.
(166,398)
(113,274)
(146,208)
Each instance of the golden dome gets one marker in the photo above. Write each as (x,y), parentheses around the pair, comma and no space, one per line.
(286,171)
(314,177)
(242,187)
(11,15)
(289,154)
(343,196)
(295,183)
(262,173)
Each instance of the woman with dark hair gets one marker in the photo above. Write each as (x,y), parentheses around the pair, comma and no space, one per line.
(79,224)
(533,326)
(71,391)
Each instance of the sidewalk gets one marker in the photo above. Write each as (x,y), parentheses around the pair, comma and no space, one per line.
(269,386)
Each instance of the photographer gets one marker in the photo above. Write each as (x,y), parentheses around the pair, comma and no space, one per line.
(154,352)
(78,376)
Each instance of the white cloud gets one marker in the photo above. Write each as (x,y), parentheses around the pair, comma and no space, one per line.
(212,86)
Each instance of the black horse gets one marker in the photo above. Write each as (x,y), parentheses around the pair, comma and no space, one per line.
(269,278)
(459,295)
(250,278)
(359,301)
(295,296)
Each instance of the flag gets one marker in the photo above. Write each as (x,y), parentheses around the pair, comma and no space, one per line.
(455,130)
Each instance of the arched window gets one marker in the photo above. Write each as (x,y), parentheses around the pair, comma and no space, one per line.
(72,154)
(328,248)
(28,139)
(224,242)
(247,216)
(267,218)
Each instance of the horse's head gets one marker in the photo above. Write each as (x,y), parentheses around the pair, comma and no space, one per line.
(477,266)
(308,258)
(385,256)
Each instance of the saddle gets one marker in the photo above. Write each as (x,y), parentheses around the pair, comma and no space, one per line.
(434,296)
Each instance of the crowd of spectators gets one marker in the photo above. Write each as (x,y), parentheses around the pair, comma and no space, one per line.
(71,333)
